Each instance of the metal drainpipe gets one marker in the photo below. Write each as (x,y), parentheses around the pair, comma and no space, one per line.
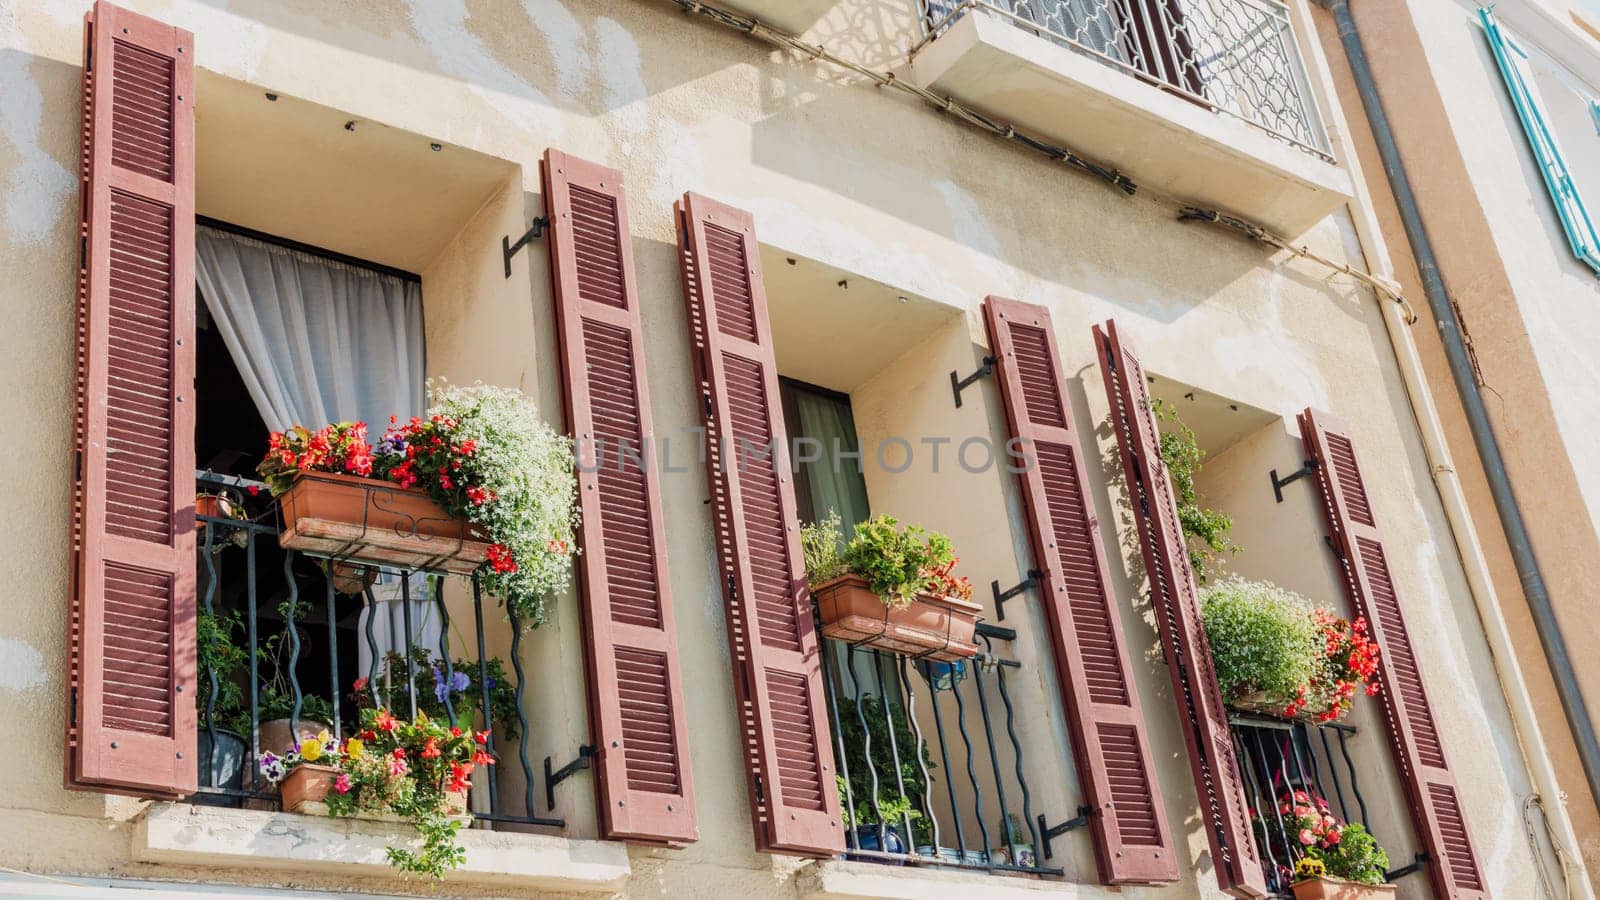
(1483,438)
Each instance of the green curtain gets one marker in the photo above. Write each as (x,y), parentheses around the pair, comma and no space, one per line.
(834,481)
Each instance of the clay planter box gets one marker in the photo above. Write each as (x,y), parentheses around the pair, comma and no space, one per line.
(933,627)
(348,517)
(307,787)
(1261,703)
(1339,889)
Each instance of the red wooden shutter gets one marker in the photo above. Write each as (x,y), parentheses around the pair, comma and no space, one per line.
(1132,843)
(631,645)
(1413,736)
(1217,779)
(131,715)
(771,634)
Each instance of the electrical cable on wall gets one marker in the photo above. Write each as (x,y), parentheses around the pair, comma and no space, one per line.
(943,103)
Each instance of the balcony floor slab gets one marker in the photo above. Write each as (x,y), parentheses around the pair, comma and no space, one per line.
(184,834)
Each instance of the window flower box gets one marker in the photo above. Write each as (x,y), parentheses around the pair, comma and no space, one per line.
(306,790)
(1325,888)
(931,626)
(351,517)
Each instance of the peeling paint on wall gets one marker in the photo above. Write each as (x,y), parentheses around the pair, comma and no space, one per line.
(972,229)
(442,27)
(564,41)
(21,666)
(37,187)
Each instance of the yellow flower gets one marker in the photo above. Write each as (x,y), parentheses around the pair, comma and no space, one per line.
(354,748)
(311,749)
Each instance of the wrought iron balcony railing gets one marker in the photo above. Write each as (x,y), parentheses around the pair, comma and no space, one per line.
(931,768)
(296,624)
(1279,758)
(1237,57)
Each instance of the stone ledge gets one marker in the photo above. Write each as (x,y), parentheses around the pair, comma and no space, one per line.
(197,835)
(844,880)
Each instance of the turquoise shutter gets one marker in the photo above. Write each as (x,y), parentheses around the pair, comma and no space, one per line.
(1513,62)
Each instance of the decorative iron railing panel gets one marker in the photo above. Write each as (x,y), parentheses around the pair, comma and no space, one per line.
(931,768)
(1279,758)
(248,584)
(1238,57)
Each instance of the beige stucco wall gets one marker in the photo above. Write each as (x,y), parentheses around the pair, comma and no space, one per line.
(838,175)
(1524,301)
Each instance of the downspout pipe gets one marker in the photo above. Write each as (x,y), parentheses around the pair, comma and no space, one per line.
(1461,372)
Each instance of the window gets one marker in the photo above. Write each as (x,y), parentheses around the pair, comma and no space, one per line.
(287,335)
(1519,71)
(822,431)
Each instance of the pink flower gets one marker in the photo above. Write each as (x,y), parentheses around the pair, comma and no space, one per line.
(1306,837)
(398,767)
(342,783)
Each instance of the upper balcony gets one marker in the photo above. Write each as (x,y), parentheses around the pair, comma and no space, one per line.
(1218,110)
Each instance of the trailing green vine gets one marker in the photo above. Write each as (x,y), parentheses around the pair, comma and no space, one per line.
(1207,529)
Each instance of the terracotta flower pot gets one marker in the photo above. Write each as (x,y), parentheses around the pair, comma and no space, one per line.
(307,788)
(349,578)
(349,517)
(934,627)
(276,738)
(214,505)
(1339,889)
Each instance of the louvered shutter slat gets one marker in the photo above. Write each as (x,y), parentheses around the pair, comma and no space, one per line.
(776,664)
(1413,733)
(1218,782)
(131,654)
(1106,724)
(630,640)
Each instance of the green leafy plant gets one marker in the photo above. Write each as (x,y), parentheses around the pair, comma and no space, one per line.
(897,562)
(433,684)
(822,545)
(1206,529)
(1356,856)
(218,654)
(1263,641)
(893,807)
(275,697)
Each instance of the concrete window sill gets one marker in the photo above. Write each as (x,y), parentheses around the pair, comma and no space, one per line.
(197,835)
(844,879)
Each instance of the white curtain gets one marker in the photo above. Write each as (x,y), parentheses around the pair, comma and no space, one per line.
(316,342)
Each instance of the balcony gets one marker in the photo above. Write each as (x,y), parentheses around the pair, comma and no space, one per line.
(292,644)
(931,769)
(1314,765)
(1204,100)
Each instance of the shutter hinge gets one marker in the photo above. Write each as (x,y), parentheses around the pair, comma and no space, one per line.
(1278,484)
(1000,597)
(83,252)
(1048,832)
(959,384)
(1418,864)
(709,412)
(72,708)
(761,791)
(77,467)
(553,778)
(534,232)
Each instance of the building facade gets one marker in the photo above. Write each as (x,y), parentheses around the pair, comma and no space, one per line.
(943,260)
(1498,134)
